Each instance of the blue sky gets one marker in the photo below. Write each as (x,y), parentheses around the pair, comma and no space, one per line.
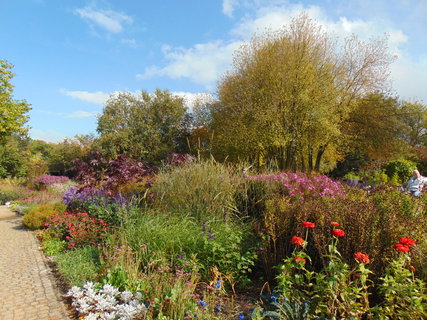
(70,55)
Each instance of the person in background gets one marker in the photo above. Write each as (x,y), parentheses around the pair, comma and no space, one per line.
(416,183)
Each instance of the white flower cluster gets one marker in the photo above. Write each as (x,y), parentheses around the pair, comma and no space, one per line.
(107,303)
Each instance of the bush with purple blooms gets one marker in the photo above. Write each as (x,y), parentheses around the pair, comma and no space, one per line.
(44,181)
(103,204)
(300,186)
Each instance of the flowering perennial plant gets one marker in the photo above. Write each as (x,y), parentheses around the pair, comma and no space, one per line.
(299,185)
(42,182)
(107,303)
(78,229)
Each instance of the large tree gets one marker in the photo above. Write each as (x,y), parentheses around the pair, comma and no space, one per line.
(12,112)
(145,126)
(375,128)
(290,93)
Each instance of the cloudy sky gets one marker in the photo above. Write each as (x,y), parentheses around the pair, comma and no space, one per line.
(69,56)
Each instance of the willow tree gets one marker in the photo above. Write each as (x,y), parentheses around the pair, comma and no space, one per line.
(290,92)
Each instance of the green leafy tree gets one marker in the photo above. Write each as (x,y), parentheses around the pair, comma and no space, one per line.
(60,159)
(12,112)
(145,126)
(13,156)
(375,128)
(290,93)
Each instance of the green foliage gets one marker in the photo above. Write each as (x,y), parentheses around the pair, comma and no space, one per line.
(290,93)
(13,157)
(334,292)
(12,191)
(142,126)
(80,265)
(289,310)
(12,112)
(212,244)
(401,168)
(375,127)
(405,297)
(202,190)
(53,247)
(38,215)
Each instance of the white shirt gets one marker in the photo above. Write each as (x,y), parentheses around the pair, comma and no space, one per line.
(416,184)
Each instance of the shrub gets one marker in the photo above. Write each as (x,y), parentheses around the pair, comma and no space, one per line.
(39,214)
(53,247)
(42,182)
(201,189)
(78,229)
(401,168)
(254,191)
(80,265)
(102,204)
(106,303)
(369,227)
(10,191)
(98,172)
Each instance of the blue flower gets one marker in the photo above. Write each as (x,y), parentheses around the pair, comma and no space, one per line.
(273,298)
(218,284)
(241,316)
(217,308)
(202,303)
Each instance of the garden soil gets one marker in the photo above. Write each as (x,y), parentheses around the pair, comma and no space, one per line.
(27,286)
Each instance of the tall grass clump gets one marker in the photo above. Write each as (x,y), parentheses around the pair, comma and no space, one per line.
(173,239)
(199,188)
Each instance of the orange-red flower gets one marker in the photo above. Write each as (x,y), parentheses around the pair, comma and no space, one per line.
(407,241)
(297,241)
(335,224)
(401,247)
(362,257)
(306,224)
(300,260)
(338,233)
(412,268)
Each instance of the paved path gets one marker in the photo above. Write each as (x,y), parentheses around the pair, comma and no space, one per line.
(27,287)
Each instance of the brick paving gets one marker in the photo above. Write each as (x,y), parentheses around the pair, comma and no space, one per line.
(27,286)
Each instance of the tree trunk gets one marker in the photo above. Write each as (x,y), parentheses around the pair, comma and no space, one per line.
(319,157)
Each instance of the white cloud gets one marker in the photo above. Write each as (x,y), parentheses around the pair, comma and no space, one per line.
(203,63)
(129,42)
(409,78)
(191,99)
(228,7)
(81,114)
(46,135)
(97,97)
(107,19)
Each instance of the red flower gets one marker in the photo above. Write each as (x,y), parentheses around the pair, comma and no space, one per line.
(306,224)
(412,268)
(335,224)
(338,233)
(297,241)
(362,257)
(356,275)
(300,260)
(401,247)
(407,241)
